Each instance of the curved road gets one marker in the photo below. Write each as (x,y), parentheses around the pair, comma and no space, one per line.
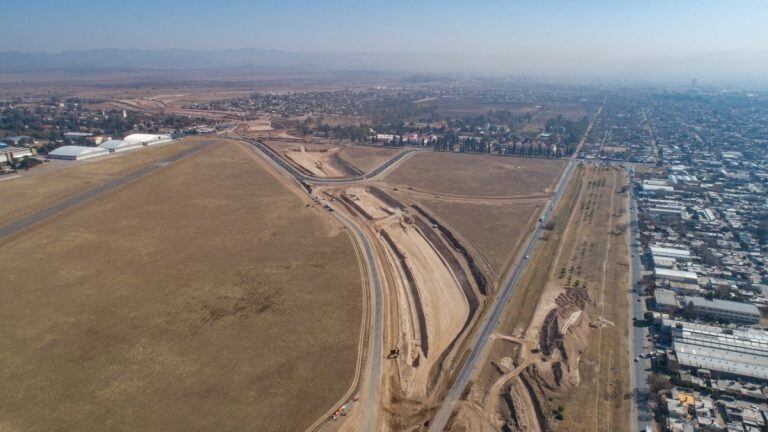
(371,413)
(301,177)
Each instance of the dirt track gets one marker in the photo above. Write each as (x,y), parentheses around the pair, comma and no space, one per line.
(427,289)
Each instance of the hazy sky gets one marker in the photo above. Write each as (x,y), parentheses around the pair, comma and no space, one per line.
(572,31)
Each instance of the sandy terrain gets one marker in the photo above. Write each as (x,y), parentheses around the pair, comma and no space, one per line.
(476,175)
(317,163)
(578,286)
(206,296)
(433,305)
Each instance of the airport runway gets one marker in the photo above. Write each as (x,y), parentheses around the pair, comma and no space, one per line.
(88,195)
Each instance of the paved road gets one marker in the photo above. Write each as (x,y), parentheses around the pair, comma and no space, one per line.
(480,341)
(90,194)
(482,338)
(371,413)
(301,177)
(375,365)
(643,416)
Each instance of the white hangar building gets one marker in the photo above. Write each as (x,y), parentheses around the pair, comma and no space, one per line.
(77,152)
(148,139)
(120,145)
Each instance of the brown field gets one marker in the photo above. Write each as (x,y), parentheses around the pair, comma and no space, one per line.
(572,304)
(42,186)
(495,230)
(476,175)
(205,296)
(367,158)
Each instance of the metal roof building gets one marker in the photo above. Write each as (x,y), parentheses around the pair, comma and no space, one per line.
(77,152)
(680,254)
(120,145)
(676,275)
(148,139)
(742,352)
(737,312)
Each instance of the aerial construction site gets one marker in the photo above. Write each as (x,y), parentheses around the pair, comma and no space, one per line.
(363,286)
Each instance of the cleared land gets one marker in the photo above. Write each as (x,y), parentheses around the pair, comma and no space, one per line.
(367,158)
(572,307)
(206,296)
(495,230)
(42,186)
(476,175)
(434,308)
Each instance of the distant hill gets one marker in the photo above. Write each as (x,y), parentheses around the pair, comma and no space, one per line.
(13,61)
(728,65)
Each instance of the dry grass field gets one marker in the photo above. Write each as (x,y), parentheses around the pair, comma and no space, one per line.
(577,283)
(599,259)
(43,186)
(367,158)
(495,230)
(476,175)
(206,296)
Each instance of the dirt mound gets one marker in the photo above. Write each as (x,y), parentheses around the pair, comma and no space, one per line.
(517,409)
(562,339)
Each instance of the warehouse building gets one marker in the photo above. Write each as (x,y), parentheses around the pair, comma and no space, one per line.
(77,152)
(719,351)
(724,310)
(148,139)
(676,275)
(721,310)
(120,145)
(674,253)
(9,154)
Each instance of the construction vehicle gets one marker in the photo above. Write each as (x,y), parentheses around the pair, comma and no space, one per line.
(342,411)
(394,352)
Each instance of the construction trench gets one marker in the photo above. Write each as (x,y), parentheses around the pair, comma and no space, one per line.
(437,291)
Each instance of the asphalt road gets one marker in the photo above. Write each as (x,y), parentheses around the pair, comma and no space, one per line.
(643,416)
(301,177)
(371,413)
(90,194)
(480,341)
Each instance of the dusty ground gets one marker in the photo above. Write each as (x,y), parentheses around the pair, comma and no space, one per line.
(324,163)
(206,296)
(476,175)
(42,186)
(366,158)
(573,308)
(433,306)
(496,230)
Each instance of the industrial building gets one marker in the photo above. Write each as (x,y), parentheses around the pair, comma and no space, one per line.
(10,153)
(120,145)
(673,253)
(676,275)
(148,139)
(719,351)
(722,310)
(77,152)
